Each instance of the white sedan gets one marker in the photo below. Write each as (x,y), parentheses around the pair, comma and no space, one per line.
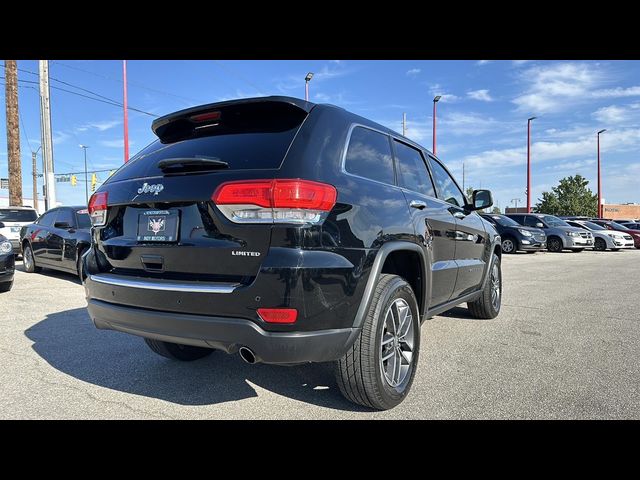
(603,238)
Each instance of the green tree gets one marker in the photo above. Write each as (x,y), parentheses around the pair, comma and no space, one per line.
(496,210)
(570,197)
(469,193)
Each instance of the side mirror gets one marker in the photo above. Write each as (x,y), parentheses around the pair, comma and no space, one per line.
(62,225)
(540,225)
(482,199)
(1,225)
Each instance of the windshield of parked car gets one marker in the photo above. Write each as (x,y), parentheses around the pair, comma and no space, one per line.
(505,221)
(593,226)
(15,215)
(617,226)
(554,221)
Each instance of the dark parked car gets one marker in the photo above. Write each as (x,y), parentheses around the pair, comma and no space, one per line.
(560,235)
(515,236)
(630,225)
(7,264)
(611,225)
(288,232)
(57,239)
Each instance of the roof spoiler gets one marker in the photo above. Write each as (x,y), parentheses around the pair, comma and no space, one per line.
(163,126)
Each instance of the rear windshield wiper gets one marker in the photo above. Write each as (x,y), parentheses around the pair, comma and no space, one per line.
(192,164)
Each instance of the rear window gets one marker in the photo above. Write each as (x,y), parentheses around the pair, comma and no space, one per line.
(14,215)
(247,137)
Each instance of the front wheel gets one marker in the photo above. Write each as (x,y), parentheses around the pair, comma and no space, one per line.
(509,245)
(488,305)
(599,245)
(554,244)
(378,370)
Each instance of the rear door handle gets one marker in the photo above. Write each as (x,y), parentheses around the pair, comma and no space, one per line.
(419,204)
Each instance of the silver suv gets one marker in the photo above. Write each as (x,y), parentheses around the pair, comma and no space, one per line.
(560,235)
(12,219)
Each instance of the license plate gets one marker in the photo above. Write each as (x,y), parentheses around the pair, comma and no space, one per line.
(158,226)
(15,229)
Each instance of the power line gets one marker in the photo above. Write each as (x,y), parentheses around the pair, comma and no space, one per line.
(136,84)
(25,131)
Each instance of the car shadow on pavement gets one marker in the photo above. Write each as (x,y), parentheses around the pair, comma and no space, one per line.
(69,342)
(460,313)
(52,273)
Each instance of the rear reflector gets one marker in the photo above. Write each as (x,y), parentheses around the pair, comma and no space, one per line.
(277,200)
(278,315)
(98,208)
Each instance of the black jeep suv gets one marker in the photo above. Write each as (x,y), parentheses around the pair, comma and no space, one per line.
(288,232)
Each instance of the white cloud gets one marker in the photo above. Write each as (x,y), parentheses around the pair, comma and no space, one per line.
(481,95)
(611,114)
(458,123)
(60,137)
(572,166)
(118,143)
(103,126)
(413,72)
(437,89)
(617,92)
(519,63)
(556,86)
(480,63)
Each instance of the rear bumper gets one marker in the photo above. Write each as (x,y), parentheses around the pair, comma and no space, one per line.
(15,243)
(224,333)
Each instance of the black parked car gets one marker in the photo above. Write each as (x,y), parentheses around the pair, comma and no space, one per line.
(515,236)
(57,239)
(7,264)
(288,232)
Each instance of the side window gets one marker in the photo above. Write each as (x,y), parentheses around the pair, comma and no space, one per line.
(446,187)
(66,215)
(369,155)
(47,219)
(530,221)
(412,171)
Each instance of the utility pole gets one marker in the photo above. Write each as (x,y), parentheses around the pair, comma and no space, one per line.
(34,169)
(13,133)
(515,201)
(86,174)
(47,143)
(404,124)
(126,113)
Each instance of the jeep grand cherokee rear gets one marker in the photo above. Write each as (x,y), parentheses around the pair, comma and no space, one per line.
(239,230)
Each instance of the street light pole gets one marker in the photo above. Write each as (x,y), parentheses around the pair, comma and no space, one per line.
(86,174)
(599,187)
(34,169)
(125,111)
(529,163)
(435,100)
(307,79)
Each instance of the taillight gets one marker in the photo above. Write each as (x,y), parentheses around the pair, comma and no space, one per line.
(275,201)
(98,208)
(278,315)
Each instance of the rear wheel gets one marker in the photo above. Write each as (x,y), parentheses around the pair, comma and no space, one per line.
(488,305)
(599,245)
(509,245)
(554,244)
(29,261)
(176,351)
(378,370)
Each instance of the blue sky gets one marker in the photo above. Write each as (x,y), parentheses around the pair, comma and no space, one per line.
(481,117)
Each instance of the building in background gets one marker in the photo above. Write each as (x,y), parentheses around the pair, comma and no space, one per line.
(26,202)
(621,211)
(515,210)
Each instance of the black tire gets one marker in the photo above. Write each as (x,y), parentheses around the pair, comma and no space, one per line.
(79,265)
(6,286)
(176,351)
(485,307)
(509,245)
(615,249)
(531,251)
(29,261)
(599,245)
(577,250)
(554,244)
(359,373)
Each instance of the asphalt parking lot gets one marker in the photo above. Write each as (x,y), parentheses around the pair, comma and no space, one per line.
(565,346)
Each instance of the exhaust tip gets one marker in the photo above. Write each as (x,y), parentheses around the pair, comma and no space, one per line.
(247,355)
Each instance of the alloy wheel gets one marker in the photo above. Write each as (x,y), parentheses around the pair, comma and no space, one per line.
(396,349)
(496,289)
